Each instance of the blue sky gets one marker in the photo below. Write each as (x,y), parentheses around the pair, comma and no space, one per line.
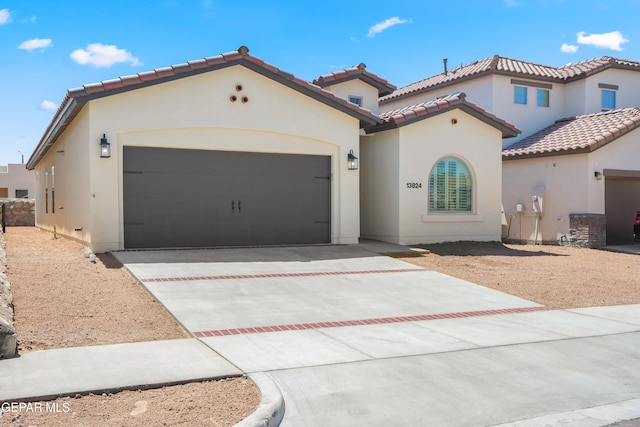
(49,46)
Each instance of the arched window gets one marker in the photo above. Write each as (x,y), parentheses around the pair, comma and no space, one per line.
(450,187)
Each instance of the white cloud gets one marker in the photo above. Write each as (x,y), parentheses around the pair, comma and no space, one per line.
(381,26)
(568,48)
(48,105)
(99,55)
(35,44)
(29,20)
(5,16)
(611,40)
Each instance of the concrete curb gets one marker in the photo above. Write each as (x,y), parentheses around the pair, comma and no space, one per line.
(271,409)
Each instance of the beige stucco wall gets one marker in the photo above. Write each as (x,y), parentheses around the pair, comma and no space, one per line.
(70,158)
(379,190)
(196,113)
(357,87)
(421,145)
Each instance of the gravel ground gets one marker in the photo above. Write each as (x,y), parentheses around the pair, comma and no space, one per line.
(555,276)
(61,299)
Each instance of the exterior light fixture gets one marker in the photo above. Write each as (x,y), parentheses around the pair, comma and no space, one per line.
(352,161)
(105,147)
(598,175)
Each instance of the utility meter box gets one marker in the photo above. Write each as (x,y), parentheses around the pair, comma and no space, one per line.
(537,199)
(520,207)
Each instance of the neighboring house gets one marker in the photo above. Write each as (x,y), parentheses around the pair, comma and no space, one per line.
(584,173)
(230,150)
(531,96)
(227,150)
(16,181)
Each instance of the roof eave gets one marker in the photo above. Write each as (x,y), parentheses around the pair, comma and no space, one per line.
(509,157)
(507,132)
(74,103)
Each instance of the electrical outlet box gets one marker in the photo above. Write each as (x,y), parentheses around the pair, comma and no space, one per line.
(537,199)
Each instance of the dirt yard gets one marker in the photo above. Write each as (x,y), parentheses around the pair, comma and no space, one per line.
(61,299)
(555,276)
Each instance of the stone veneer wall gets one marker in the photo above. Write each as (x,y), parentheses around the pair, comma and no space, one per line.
(8,338)
(19,212)
(587,230)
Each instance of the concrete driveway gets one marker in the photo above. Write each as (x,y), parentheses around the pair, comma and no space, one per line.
(354,338)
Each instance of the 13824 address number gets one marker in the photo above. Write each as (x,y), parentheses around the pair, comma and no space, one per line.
(414,185)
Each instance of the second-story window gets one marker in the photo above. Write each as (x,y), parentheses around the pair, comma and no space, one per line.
(542,97)
(356,100)
(608,99)
(520,95)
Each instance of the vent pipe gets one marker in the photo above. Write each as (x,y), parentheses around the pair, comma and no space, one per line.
(444,61)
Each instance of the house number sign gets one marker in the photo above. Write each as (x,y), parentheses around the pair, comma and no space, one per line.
(414,185)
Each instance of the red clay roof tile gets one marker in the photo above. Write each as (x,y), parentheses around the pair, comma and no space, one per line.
(76,97)
(357,72)
(409,114)
(508,66)
(578,134)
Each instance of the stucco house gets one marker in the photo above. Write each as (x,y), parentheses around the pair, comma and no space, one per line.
(230,150)
(576,181)
(529,95)
(227,150)
(556,157)
(16,181)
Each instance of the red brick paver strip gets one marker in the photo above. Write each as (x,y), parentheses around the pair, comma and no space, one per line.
(377,321)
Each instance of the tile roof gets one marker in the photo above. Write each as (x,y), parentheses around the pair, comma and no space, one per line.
(77,97)
(580,134)
(357,72)
(513,67)
(406,115)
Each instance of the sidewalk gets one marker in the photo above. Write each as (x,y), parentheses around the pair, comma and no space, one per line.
(47,374)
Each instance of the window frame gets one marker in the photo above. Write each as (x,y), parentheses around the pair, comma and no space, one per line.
(441,193)
(602,99)
(518,98)
(545,99)
(354,99)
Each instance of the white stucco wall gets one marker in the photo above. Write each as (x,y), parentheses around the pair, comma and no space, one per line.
(627,95)
(570,187)
(357,87)
(421,145)
(567,181)
(17,177)
(196,112)
(479,91)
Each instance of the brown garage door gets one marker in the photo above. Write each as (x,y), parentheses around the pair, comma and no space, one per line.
(198,198)
(622,201)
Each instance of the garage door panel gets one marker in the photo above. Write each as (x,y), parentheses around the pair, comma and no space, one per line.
(622,201)
(180,198)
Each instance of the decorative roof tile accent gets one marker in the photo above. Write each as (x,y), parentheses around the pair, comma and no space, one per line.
(579,134)
(357,72)
(77,97)
(406,115)
(513,67)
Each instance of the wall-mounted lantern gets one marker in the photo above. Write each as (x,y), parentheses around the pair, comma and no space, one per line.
(105,147)
(352,161)
(598,175)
